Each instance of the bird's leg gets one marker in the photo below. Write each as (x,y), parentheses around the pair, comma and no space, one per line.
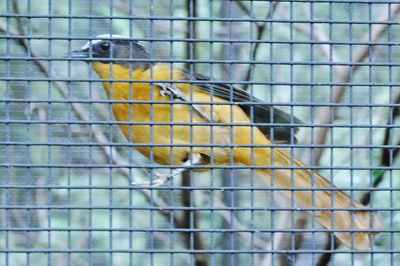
(195,159)
(178,94)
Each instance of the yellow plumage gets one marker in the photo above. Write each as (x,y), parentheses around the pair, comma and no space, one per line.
(190,128)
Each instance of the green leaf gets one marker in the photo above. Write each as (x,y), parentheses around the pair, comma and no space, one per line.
(378,173)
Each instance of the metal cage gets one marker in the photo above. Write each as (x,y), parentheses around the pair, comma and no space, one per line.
(65,167)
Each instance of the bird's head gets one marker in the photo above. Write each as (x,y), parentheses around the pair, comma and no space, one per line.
(118,49)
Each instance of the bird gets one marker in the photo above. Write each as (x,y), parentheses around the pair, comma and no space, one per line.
(187,120)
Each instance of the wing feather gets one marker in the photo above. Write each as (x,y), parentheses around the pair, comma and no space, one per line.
(282,128)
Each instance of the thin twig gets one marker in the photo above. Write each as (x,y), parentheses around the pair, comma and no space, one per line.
(317,34)
(237,225)
(260,28)
(110,152)
(191,221)
(388,154)
(125,7)
(343,74)
(191,217)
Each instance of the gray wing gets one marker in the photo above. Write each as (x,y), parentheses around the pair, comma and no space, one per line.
(260,112)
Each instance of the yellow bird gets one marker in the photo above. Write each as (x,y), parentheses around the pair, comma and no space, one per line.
(186,120)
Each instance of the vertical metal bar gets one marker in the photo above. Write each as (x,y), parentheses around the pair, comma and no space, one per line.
(18,198)
(111,130)
(187,195)
(7,178)
(391,140)
(292,257)
(50,172)
(152,66)
(91,137)
(331,80)
(28,172)
(271,76)
(131,212)
(231,198)
(172,224)
(370,102)
(312,48)
(69,151)
(213,242)
(332,119)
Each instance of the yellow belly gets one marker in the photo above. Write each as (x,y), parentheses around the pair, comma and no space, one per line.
(183,131)
(174,130)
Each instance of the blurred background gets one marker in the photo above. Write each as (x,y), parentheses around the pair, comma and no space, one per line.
(65,196)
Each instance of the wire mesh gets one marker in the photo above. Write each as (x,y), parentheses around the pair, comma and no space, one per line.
(66,168)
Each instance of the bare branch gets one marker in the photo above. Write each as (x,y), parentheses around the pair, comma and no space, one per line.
(164,237)
(283,240)
(342,75)
(317,33)
(113,154)
(260,28)
(388,154)
(244,8)
(190,219)
(236,224)
(110,152)
(123,6)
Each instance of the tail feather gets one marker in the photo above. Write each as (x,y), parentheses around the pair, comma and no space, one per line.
(354,226)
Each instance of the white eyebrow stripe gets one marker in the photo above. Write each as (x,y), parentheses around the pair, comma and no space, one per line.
(90,43)
(102,37)
(112,36)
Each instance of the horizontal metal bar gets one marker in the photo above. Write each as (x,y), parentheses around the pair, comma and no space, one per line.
(198,251)
(189,102)
(192,124)
(248,167)
(195,188)
(182,208)
(191,230)
(96,80)
(146,166)
(207,61)
(204,18)
(210,145)
(225,82)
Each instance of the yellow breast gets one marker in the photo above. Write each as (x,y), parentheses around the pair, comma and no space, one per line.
(165,130)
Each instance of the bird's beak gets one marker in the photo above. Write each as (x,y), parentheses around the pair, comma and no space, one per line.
(77,54)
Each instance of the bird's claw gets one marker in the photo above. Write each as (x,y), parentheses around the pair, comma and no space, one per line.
(159,181)
(164,92)
(195,159)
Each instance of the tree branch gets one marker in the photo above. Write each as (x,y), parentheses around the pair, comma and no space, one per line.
(110,152)
(260,28)
(388,154)
(342,75)
(123,6)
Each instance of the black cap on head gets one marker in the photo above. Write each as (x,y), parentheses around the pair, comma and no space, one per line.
(113,48)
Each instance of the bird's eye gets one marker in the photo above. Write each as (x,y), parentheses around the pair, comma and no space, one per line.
(105,46)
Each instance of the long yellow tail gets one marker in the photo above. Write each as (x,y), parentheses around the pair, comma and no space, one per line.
(353,225)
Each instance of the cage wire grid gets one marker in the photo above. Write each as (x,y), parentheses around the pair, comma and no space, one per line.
(66,168)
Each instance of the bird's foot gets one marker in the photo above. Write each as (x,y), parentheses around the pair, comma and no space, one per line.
(161,179)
